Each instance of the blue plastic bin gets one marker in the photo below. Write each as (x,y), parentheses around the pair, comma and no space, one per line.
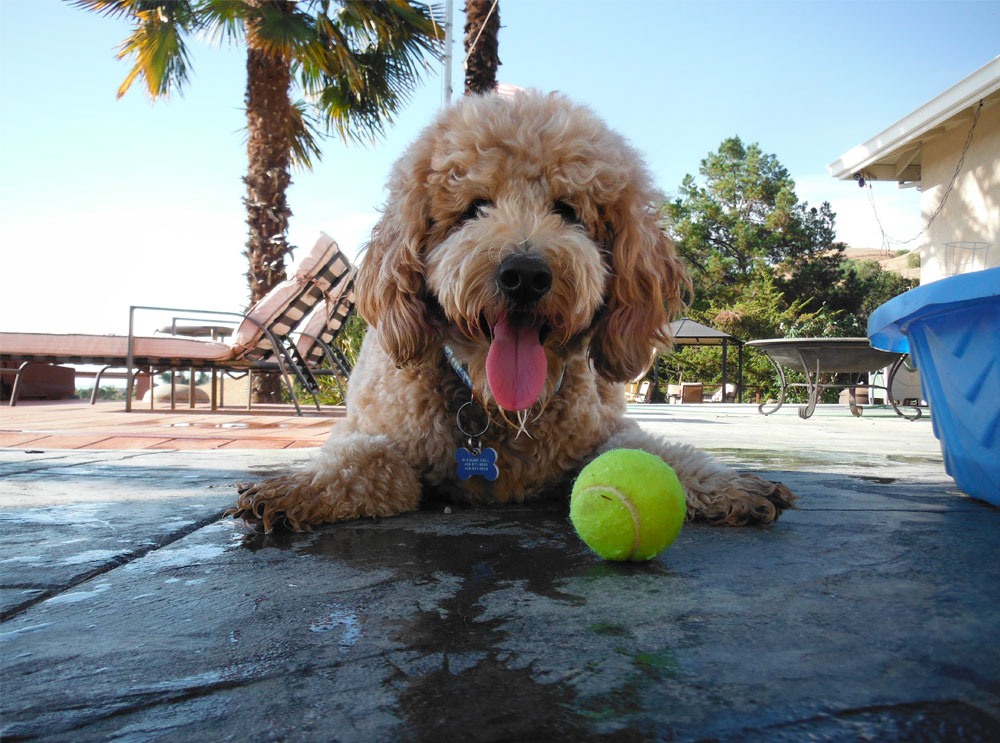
(951,329)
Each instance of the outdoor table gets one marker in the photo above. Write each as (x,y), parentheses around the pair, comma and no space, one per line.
(816,357)
(215,332)
(201,330)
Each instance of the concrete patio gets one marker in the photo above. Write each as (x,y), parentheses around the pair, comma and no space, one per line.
(134,611)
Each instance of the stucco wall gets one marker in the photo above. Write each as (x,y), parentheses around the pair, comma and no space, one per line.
(972,212)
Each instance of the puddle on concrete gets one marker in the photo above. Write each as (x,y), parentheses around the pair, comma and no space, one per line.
(873,478)
(788,460)
(490,548)
(24,630)
(253,425)
(804,460)
(88,556)
(185,556)
(73,597)
(457,572)
(341,621)
(906,459)
(73,514)
(512,705)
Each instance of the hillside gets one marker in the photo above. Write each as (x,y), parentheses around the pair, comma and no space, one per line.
(895,263)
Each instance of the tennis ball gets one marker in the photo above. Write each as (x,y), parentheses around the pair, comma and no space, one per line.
(627,505)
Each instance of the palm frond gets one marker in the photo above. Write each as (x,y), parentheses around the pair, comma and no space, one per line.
(395,22)
(356,61)
(225,18)
(280,29)
(156,44)
(156,47)
(115,8)
(367,61)
(306,136)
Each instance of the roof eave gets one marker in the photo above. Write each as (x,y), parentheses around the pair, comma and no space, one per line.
(914,126)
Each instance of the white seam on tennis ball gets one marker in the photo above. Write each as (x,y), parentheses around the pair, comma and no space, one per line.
(631,509)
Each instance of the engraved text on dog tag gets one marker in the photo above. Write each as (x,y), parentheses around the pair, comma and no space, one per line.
(481,462)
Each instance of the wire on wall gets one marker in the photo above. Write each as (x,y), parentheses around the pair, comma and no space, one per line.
(887,240)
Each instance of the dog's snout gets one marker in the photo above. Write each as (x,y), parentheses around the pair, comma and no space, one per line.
(524,279)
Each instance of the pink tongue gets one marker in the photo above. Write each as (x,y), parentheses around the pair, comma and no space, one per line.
(515,366)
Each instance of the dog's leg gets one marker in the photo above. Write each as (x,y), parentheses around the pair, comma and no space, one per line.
(355,475)
(714,492)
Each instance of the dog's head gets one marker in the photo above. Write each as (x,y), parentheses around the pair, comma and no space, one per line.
(519,232)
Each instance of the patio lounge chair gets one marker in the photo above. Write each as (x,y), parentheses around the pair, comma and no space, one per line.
(314,345)
(638,392)
(260,342)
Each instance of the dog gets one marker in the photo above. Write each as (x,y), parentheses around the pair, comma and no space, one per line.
(518,276)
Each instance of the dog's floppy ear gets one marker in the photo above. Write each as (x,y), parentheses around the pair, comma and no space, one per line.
(647,281)
(390,283)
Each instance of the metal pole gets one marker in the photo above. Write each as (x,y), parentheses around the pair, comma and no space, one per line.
(724,346)
(740,386)
(129,359)
(449,11)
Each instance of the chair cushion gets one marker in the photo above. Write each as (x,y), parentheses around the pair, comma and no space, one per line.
(283,308)
(110,349)
(326,321)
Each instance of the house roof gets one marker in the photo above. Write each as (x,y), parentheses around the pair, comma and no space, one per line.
(690,333)
(894,154)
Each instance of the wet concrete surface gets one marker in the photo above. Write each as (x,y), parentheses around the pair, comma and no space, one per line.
(135,612)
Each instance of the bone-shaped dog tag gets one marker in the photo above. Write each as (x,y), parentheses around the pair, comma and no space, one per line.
(481,462)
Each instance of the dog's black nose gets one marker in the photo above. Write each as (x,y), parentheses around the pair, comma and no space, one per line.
(524,279)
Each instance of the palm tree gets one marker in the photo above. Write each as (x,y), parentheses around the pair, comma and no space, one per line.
(482,24)
(353,64)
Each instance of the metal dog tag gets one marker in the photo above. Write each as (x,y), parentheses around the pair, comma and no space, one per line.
(481,462)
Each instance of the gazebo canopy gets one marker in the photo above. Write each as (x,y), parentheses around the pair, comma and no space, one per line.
(690,333)
(687,332)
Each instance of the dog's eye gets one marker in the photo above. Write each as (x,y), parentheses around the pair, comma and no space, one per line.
(473,211)
(565,211)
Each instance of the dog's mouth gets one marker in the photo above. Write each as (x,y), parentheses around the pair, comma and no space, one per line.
(516,365)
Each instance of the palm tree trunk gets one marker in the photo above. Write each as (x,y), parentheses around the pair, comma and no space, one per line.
(269,147)
(481,30)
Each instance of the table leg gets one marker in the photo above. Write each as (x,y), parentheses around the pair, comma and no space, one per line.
(888,392)
(15,391)
(97,384)
(813,387)
(852,399)
(781,395)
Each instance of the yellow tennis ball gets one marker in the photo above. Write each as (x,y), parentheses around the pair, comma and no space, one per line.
(627,505)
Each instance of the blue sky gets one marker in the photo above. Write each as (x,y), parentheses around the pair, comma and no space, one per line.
(106,203)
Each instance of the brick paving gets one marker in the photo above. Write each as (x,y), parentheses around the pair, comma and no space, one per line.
(75,424)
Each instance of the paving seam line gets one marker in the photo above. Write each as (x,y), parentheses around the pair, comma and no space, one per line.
(118,562)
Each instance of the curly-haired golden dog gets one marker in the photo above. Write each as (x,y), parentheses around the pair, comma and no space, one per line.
(518,276)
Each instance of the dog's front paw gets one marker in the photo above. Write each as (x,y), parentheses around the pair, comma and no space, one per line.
(768,499)
(360,476)
(747,499)
(282,502)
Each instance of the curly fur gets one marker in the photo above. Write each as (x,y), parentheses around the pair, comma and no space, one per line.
(538,176)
